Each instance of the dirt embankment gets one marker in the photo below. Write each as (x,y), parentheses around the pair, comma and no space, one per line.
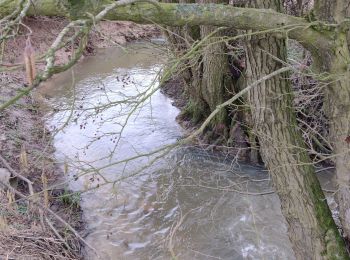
(25,148)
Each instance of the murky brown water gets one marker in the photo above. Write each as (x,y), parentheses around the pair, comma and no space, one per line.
(191,204)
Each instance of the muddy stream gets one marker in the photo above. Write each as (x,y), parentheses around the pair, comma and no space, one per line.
(187,203)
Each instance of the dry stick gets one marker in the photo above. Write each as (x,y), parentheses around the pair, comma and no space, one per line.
(31,198)
(11,170)
(230,190)
(45,187)
(7,165)
(173,231)
(57,233)
(57,217)
(29,61)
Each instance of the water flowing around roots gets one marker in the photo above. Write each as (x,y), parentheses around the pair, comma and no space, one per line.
(189,203)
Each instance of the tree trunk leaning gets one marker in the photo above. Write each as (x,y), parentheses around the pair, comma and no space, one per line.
(311,228)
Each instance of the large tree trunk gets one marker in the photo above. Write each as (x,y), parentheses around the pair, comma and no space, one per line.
(311,228)
(216,80)
(337,102)
(337,107)
(338,111)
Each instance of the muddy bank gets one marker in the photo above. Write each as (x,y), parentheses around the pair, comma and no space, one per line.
(26,149)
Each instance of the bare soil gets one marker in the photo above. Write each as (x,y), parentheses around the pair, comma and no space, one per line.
(25,143)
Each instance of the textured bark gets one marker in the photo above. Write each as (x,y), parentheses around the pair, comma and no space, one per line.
(245,116)
(337,103)
(216,80)
(311,228)
(181,39)
(333,11)
(337,107)
(197,108)
(338,112)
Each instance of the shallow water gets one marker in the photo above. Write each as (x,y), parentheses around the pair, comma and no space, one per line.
(191,204)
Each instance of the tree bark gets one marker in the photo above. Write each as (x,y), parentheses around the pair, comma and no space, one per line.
(216,80)
(311,228)
(337,107)
(333,11)
(181,39)
(337,102)
(207,78)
